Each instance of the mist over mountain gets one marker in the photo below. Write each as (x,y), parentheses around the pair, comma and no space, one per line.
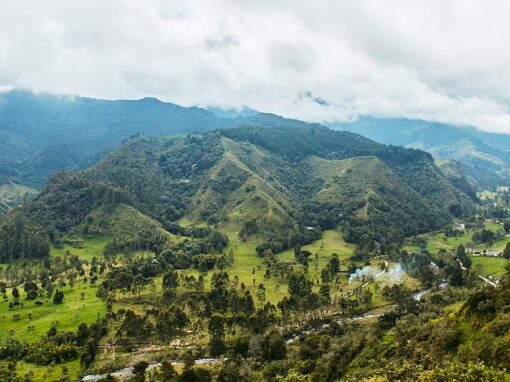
(42,133)
(483,156)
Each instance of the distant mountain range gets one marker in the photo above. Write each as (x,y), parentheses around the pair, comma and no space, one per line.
(43,133)
(484,157)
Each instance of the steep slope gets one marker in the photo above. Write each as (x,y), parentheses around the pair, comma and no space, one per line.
(60,132)
(374,196)
(414,167)
(453,172)
(483,156)
(239,189)
(42,133)
(282,185)
(120,220)
(12,194)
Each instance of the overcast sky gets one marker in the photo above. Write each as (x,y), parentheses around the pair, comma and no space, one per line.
(441,60)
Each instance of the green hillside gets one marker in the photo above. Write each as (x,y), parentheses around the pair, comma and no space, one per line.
(282,184)
(482,156)
(374,195)
(221,243)
(12,194)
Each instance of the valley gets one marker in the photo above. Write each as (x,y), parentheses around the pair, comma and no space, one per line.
(254,191)
(246,254)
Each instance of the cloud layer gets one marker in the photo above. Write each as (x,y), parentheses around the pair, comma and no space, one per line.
(439,60)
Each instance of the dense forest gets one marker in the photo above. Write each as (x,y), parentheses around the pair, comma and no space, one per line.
(265,180)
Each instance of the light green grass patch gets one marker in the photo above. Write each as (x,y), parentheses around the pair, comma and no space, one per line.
(92,247)
(50,372)
(77,308)
(489,266)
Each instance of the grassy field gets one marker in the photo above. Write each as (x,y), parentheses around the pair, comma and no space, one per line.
(331,242)
(437,241)
(30,322)
(92,247)
(249,268)
(247,259)
(489,266)
(51,372)
(486,194)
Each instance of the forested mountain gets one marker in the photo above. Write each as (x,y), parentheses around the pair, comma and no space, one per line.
(283,184)
(484,157)
(42,133)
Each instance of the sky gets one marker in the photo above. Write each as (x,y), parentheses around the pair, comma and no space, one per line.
(438,60)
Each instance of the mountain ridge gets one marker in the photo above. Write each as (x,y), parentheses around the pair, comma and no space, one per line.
(264,180)
(483,156)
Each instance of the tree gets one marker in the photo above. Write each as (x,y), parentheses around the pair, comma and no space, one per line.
(326,275)
(166,372)
(461,255)
(58,298)
(216,325)
(261,292)
(334,263)
(82,334)
(293,376)
(324,294)
(506,251)
(221,280)
(15,293)
(216,346)
(139,371)
(366,297)
(460,251)
(139,283)
(171,279)
(275,346)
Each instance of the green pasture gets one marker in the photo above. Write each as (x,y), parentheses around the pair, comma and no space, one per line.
(29,322)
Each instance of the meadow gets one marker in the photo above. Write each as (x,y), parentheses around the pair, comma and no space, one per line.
(30,322)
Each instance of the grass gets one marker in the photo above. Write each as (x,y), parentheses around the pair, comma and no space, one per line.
(489,266)
(92,247)
(486,194)
(50,372)
(331,242)
(437,241)
(249,268)
(12,194)
(29,322)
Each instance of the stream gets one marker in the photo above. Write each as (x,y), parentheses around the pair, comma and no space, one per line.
(127,372)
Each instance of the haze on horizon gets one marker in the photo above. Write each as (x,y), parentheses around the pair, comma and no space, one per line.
(445,61)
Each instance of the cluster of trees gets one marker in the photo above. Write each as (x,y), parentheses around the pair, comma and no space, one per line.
(143,240)
(140,272)
(155,325)
(301,297)
(57,346)
(20,238)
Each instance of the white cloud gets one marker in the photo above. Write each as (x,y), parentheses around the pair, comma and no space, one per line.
(440,60)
